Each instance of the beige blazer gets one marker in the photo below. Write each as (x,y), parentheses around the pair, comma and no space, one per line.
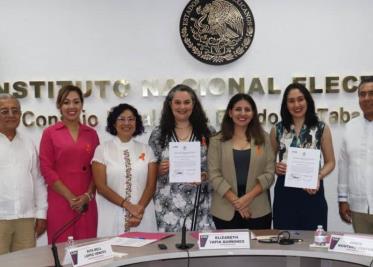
(222,176)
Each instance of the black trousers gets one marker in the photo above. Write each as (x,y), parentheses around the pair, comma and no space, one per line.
(240,223)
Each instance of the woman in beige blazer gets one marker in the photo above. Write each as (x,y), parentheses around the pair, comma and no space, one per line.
(241,168)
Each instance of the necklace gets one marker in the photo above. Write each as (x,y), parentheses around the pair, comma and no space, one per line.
(185,137)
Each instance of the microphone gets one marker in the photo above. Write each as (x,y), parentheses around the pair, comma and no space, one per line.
(183,244)
(62,230)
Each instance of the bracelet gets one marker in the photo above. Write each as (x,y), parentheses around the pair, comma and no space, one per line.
(88,195)
(121,203)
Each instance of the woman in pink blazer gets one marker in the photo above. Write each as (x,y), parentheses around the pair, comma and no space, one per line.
(66,150)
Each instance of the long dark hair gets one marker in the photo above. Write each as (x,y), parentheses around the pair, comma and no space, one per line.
(311,118)
(198,118)
(254,129)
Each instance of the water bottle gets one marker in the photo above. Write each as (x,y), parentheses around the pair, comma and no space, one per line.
(70,242)
(320,236)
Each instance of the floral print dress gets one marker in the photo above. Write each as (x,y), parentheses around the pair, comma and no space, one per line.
(175,201)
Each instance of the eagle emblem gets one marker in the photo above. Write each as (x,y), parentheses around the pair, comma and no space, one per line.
(217,31)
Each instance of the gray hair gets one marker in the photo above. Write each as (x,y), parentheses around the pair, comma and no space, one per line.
(6,96)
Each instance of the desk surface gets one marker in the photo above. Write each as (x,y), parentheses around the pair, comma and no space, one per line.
(42,256)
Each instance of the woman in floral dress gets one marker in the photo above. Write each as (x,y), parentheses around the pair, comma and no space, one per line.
(182,120)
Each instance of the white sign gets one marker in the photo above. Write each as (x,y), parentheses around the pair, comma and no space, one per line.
(185,162)
(226,240)
(90,253)
(302,168)
(352,244)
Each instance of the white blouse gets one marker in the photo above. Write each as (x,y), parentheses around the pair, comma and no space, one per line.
(126,174)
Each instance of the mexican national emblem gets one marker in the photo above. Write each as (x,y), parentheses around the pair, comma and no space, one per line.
(217,32)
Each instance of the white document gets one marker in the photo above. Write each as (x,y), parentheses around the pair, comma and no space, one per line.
(130,242)
(302,168)
(185,162)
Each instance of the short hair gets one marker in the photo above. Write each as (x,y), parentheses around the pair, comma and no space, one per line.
(364,80)
(64,91)
(115,112)
(254,128)
(311,118)
(5,96)
(198,118)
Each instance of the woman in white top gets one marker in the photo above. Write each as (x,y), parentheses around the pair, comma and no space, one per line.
(124,171)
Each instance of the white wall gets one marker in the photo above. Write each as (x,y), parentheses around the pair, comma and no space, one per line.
(139,40)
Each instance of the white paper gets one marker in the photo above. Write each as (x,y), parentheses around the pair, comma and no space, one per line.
(185,162)
(130,242)
(302,168)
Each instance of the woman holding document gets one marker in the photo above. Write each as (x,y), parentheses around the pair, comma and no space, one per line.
(125,172)
(241,168)
(182,120)
(300,208)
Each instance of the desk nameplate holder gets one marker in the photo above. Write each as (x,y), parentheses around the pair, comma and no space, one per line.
(352,244)
(87,254)
(224,240)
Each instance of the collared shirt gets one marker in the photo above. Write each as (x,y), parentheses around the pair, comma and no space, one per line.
(68,160)
(22,189)
(355,178)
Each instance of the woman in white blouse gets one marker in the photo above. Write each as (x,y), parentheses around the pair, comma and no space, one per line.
(124,171)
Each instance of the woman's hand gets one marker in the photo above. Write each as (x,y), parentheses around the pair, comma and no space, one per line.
(133,222)
(136,210)
(242,202)
(313,191)
(78,202)
(204,178)
(280,168)
(163,167)
(245,213)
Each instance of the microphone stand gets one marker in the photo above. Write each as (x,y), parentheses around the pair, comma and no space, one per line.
(183,244)
(196,208)
(61,231)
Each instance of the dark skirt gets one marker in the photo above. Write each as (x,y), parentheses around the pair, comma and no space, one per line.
(295,209)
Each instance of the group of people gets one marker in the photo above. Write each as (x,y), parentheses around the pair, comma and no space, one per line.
(125,183)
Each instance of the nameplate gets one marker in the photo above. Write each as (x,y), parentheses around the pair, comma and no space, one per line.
(87,254)
(224,240)
(352,244)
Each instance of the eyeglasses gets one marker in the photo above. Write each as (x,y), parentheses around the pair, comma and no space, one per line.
(10,112)
(128,120)
(364,94)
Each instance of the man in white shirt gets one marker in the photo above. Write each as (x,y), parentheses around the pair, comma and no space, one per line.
(23,196)
(355,181)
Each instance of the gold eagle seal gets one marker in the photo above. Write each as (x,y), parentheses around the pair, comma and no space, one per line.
(217,32)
